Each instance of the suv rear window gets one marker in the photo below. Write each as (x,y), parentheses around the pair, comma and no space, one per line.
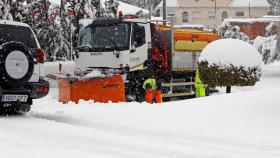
(21,34)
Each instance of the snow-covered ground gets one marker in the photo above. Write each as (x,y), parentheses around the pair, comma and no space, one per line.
(244,124)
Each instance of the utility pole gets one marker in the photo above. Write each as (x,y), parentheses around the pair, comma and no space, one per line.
(150,9)
(249,10)
(164,12)
(216,18)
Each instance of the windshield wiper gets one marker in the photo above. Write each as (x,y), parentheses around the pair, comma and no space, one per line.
(84,48)
(112,41)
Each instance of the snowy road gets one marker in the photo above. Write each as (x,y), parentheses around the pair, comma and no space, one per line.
(244,124)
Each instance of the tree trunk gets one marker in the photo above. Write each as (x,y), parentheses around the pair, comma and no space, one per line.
(228,89)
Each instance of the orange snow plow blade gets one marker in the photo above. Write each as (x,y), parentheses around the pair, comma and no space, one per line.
(103,90)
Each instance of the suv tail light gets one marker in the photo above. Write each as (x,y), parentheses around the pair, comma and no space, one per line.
(40,56)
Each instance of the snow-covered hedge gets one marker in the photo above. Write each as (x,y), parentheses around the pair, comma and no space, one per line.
(230,62)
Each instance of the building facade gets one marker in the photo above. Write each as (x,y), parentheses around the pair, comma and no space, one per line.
(211,13)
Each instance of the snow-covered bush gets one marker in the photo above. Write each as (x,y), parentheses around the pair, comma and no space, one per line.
(228,31)
(267,48)
(267,45)
(230,62)
(272,29)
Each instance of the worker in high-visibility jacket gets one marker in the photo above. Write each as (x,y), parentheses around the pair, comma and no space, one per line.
(152,91)
(200,88)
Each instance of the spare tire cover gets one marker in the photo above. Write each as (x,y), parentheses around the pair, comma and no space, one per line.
(16,64)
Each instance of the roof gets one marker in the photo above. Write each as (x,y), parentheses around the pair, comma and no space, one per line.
(233,3)
(9,22)
(245,3)
(124,7)
(128,9)
(170,4)
(253,20)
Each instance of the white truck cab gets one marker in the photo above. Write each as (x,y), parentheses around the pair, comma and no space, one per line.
(113,43)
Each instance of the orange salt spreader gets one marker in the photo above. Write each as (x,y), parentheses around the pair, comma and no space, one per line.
(101,89)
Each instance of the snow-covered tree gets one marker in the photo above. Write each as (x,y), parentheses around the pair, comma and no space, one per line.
(5,9)
(81,9)
(66,30)
(111,8)
(146,3)
(274,7)
(18,10)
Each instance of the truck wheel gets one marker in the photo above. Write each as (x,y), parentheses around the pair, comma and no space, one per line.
(16,64)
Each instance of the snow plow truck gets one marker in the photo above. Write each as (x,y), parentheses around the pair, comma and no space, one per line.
(135,49)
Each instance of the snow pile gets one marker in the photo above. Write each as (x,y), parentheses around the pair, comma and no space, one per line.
(227,52)
(94,73)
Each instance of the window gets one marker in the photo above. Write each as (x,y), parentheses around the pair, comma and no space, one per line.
(196,15)
(138,35)
(170,14)
(240,13)
(158,13)
(224,15)
(105,38)
(21,34)
(211,15)
(185,17)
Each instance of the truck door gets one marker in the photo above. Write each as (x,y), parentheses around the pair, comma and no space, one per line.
(139,45)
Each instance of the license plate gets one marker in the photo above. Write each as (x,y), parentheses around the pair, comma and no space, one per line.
(14,98)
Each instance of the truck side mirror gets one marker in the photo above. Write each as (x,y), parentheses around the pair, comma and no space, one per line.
(77,54)
(133,48)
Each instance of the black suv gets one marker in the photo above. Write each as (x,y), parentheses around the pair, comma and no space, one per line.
(21,62)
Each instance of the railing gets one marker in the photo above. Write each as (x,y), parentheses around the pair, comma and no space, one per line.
(171,92)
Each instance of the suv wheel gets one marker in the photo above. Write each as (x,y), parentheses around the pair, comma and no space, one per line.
(16,64)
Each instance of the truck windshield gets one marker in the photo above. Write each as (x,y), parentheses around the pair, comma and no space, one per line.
(21,34)
(104,38)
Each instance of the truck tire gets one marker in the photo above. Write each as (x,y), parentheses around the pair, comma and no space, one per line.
(16,64)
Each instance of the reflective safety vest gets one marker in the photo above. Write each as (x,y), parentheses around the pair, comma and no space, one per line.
(199,86)
(152,82)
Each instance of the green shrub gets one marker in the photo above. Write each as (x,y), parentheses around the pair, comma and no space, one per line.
(224,76)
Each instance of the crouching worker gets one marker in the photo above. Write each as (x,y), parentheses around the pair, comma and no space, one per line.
(200,88)
(152,91)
